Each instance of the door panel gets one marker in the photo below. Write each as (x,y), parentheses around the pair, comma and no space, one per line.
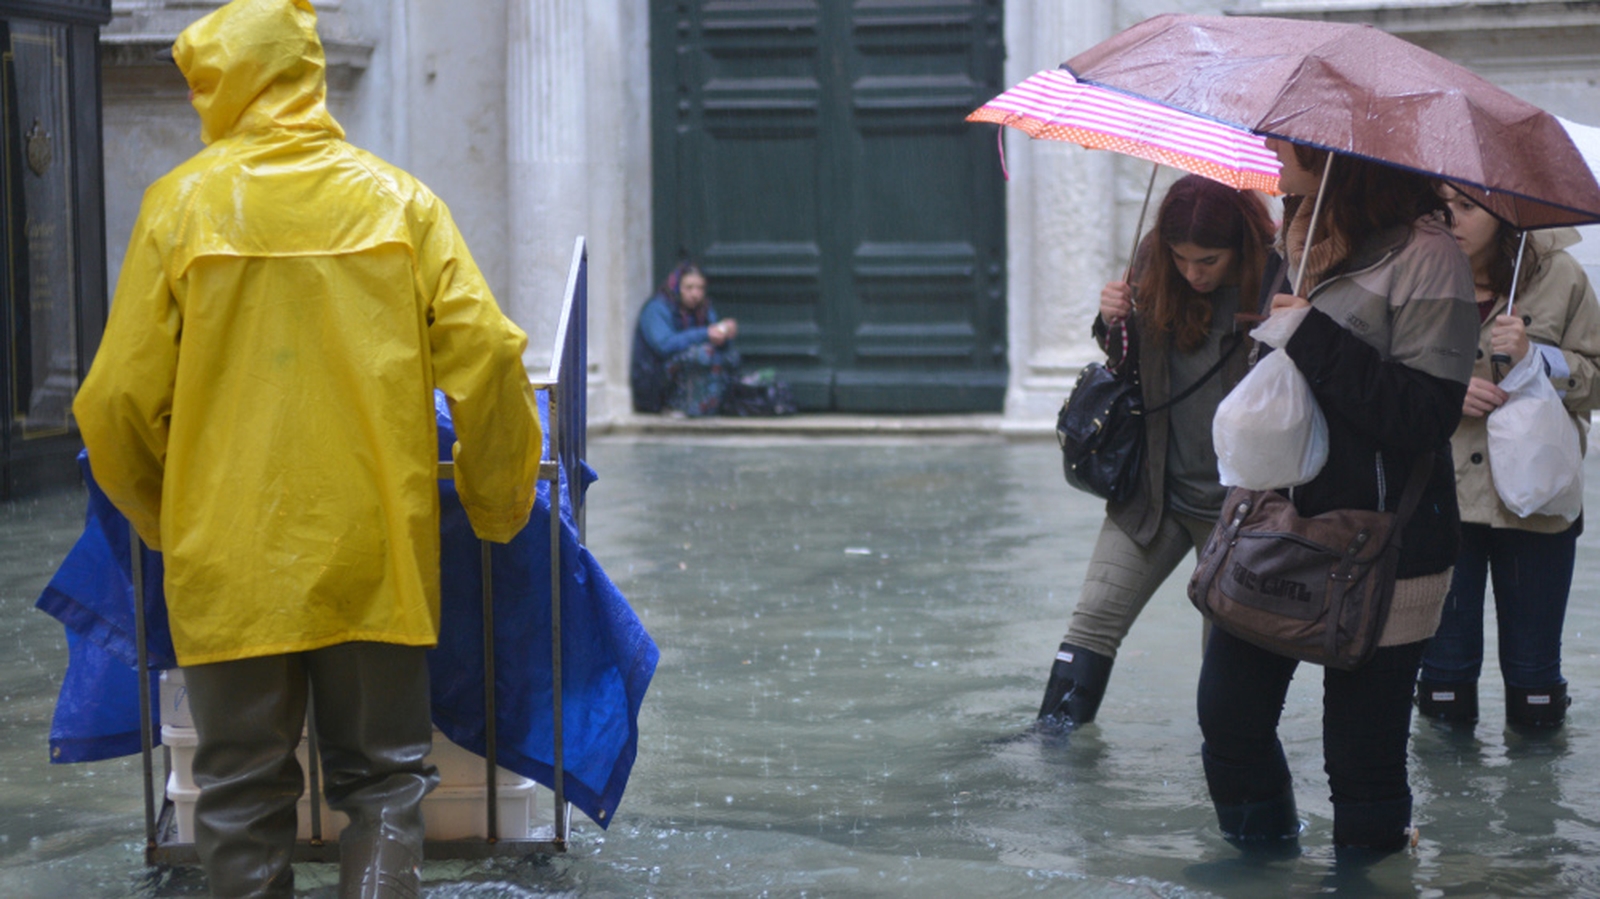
(813,155)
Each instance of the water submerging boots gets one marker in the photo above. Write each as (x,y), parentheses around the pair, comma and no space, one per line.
(1259,824)
(1378,827)
(1077,684)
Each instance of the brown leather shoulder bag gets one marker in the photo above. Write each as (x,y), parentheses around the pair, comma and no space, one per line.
(1316,589)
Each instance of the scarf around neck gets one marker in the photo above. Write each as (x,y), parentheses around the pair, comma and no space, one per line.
(1329,250)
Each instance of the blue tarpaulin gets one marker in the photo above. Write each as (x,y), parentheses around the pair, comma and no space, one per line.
(608,657)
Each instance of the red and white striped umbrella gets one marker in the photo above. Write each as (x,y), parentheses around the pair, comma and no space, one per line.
(1053,105)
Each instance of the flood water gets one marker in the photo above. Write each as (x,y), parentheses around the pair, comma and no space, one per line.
(854,638)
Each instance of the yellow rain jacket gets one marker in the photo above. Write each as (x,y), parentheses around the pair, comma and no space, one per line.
(261,406)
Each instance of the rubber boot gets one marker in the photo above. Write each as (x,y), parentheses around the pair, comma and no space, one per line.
(1270,824)
(374,752)
(1542,709)
(385,864)
(1077,684)
(1456,703)
(1259,822)
(1378,827)
(247,716)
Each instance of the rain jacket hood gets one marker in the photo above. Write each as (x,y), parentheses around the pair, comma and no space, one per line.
(261,404)
(256,64)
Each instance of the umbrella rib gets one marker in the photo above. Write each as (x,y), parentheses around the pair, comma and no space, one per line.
(1137,96)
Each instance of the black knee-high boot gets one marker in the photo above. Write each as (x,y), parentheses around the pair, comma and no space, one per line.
(1261,821)
(1253,822)
(1077,684)
(1456,703)
(1383,826)
(1542,709)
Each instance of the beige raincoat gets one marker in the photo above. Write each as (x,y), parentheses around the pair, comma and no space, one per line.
(261,404)
(1559,308)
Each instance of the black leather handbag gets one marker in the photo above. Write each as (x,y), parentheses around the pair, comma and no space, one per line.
(1101,432)
(1101,428)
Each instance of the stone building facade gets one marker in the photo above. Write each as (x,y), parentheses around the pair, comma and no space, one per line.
(531,118)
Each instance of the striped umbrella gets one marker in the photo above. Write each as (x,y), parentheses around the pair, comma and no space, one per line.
(1053,105)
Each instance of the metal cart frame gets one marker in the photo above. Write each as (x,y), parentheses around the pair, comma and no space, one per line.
(565,386)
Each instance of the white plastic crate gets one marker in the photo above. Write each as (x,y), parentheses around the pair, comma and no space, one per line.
(448,813)
(174,698)
(459,768)
(456,809)
(455,813)
(184,798)
(180,743)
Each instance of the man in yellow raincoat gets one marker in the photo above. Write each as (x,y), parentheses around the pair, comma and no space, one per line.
(261,408)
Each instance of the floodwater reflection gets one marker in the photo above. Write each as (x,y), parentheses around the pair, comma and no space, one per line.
(854,637)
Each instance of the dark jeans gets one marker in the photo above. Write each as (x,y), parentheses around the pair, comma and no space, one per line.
(1366,722)
(1532,575)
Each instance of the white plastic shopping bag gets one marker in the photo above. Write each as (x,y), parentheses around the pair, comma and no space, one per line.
(1534,454)
(1269,431)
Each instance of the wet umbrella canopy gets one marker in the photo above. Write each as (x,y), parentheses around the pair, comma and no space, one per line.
(1053,105)
(1355,89)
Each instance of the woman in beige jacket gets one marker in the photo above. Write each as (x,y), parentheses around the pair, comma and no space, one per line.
(1529,560)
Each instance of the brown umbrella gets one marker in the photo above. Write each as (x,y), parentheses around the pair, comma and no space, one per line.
(1358,90)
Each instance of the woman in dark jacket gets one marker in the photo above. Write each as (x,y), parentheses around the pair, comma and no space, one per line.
(1387,349)
(1200,265)
(683,356)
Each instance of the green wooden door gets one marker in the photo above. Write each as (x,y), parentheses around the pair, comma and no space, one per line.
(813,155)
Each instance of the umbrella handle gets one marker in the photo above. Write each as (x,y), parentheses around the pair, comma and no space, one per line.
(1311,230)
(1498,360)
(1138,230)
(1516,272)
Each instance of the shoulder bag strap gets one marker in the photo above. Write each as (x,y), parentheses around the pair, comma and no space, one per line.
(1238,341)
(1413,492)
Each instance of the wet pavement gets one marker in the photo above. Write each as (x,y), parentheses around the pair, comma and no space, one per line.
(854,634)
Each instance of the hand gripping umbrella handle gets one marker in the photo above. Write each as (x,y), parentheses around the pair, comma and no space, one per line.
(1499,359)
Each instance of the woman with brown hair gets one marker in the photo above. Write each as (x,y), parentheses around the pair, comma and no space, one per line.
(1386,348)
(1529,559)
(1199,267)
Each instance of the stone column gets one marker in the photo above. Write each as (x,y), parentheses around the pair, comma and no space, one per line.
(547,159)
(619,194)
(1060,213)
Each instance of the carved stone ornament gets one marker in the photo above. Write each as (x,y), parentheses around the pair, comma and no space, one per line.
(40,153)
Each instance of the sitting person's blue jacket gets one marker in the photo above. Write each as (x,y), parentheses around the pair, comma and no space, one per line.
(658,337)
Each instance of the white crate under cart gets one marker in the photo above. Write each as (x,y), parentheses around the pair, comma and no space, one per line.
(455,810)
(479,809)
